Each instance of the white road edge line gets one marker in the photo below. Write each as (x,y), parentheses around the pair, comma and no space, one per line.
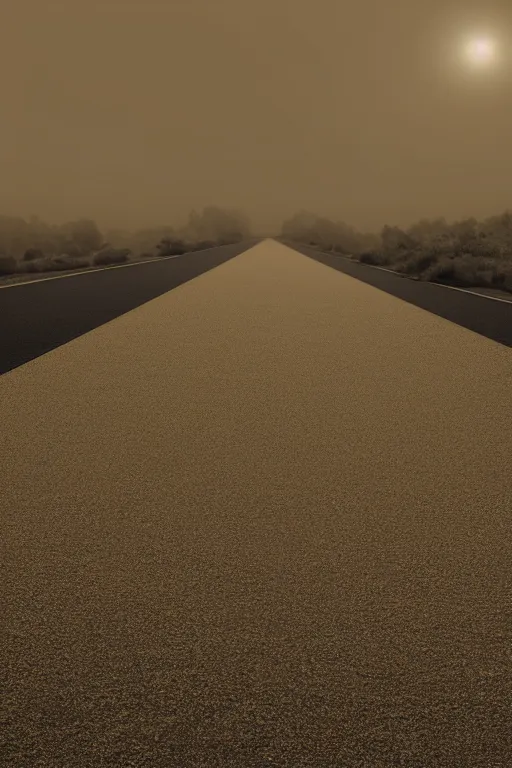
(102,269)
(441,285)
(482,295)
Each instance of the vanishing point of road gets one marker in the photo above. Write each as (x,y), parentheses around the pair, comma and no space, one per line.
(263,519)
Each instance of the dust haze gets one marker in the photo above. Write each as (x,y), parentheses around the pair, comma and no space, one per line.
(134,114)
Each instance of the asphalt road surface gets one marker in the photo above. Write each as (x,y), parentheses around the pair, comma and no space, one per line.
(260,520)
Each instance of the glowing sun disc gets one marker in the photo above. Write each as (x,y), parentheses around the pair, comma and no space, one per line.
(481,51)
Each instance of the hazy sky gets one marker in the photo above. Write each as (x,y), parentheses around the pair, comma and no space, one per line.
(132,113)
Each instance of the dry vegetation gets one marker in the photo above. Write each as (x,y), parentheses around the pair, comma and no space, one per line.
(31,247)
(465,253)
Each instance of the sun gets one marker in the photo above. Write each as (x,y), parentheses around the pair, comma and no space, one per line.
(481,51)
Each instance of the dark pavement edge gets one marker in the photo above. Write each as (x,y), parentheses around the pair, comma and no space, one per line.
(37,317)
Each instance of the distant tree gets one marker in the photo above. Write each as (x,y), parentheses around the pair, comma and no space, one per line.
(394,238)
(330,235)
(85,234)
(465,230)
(216,224)
(428,229)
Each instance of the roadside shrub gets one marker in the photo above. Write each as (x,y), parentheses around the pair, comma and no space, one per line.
(66,262)
(468,271)
(48,264)
(465,252)
(111,256)
(58,264)
(465,270)
(73,251)
(487,270)
(503,276)
(395,240)
(375,258)
(418,262)
(29,267)
(8,265)
(439,270)
(32,254)
(168,247)
(487,277)
(84,234)
(44,264)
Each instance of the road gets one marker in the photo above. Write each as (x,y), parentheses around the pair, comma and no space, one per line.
(260,520)
(40,315)
(469,307)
